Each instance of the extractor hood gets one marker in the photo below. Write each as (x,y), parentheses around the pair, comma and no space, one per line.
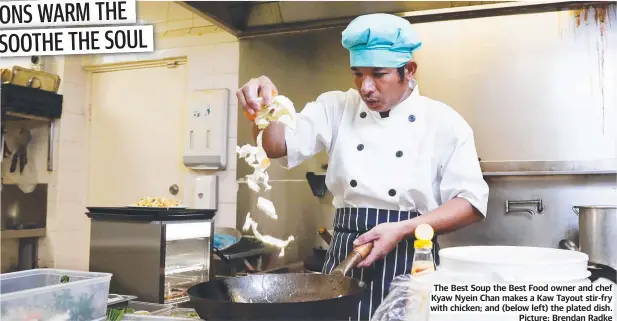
(246,19)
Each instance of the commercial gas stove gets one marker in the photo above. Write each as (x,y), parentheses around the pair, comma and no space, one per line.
(245,257)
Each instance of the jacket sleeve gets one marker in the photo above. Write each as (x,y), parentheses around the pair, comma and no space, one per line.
(315,130)
(462,175)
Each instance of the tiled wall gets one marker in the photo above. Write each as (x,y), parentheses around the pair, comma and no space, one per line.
(212,62)
(68,228)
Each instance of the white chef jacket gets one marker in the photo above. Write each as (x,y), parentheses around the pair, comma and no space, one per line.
(416,159)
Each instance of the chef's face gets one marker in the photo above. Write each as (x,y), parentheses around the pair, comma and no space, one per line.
(383,88)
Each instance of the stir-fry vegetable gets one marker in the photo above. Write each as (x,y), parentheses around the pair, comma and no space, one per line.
(115,314)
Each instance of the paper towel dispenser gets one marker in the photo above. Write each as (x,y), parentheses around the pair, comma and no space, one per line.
(205,139)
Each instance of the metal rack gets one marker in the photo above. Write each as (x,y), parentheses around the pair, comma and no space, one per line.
(19,103)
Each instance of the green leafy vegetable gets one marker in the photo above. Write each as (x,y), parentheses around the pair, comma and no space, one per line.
(193,315)
(64,279)
(115,314)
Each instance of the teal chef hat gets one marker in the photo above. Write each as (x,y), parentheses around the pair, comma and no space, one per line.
(380,40)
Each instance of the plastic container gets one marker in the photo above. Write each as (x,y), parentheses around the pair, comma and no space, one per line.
(119,302)
(423,261)
(40,294)
(186,313)
(137,317)
(151,308)
(410,296)
(522,263)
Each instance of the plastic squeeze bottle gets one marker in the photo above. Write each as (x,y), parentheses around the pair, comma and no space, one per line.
(423,261)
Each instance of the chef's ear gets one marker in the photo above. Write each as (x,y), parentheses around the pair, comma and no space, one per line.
(411,67)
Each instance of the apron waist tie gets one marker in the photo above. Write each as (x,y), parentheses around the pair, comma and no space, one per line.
(361,219)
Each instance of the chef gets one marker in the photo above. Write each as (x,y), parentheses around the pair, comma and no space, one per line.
(397,159)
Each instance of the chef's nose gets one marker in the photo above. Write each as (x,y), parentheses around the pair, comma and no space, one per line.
(368,86)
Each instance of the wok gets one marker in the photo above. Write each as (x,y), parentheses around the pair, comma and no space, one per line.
(293,296)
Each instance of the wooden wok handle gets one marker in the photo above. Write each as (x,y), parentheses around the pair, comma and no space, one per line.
(358,254)
(325,235)
(364,249)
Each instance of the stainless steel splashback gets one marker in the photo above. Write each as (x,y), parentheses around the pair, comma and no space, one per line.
(558,195)
(299,215)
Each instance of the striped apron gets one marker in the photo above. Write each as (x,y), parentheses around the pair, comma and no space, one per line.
(349,223)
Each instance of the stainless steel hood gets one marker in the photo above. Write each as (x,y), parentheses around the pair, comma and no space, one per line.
(245,19)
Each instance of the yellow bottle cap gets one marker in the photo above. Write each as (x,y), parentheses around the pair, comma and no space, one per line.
(422,244)
(424,234)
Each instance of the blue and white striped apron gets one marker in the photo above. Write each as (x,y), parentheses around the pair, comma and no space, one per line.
(349,223)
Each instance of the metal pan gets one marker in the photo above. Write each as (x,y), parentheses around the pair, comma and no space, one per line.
(294,296)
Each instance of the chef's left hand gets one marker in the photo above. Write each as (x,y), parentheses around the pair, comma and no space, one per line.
(385,237)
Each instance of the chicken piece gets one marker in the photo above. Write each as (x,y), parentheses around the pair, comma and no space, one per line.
(255,156)
(250,224)
(281,109)
(267,207)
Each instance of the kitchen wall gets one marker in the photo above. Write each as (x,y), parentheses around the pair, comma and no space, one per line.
(213,63)
(534,87)
(65,201)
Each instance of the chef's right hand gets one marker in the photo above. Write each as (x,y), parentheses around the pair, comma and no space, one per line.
(254,94)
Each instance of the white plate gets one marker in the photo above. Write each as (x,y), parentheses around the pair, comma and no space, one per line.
(135,206)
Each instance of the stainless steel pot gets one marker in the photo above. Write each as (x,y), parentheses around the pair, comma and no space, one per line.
(597,227)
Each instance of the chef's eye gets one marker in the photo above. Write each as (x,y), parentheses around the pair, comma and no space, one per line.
(379,74)
(357,74)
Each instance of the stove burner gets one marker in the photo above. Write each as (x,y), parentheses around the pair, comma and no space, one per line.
(246,247)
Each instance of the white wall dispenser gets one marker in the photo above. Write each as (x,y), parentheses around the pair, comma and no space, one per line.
(205,139)
(204,192)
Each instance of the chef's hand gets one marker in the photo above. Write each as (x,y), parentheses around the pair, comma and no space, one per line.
(385,237)
(254,94)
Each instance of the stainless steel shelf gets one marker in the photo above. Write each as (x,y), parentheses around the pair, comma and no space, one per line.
(541,168)
(529,168)
(22,234)
(183,269)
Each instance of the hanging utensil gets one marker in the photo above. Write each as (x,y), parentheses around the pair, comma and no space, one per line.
(568,245)
(21,151)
